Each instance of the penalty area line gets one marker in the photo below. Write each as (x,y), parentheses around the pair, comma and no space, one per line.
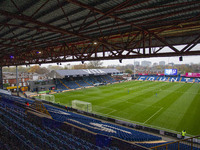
(153,115)
(110,112)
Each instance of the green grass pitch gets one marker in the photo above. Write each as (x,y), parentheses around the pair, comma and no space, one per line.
(163,105)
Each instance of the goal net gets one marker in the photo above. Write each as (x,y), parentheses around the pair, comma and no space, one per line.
(80,105)
(49,98)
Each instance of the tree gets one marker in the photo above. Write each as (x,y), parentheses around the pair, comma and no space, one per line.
(23,69)
(80,66)
(33,69)
(95,64)
(5,85)
(38,69)
(129,71)
(42,70)
(13,69)
(50,67)
(9,69)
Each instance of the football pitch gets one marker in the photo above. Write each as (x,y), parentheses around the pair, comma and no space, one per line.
(167,106)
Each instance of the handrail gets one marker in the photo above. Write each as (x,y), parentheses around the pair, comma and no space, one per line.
(187,141)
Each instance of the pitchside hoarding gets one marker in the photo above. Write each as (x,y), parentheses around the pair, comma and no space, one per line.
(170,72)
(195,75)
(144,74)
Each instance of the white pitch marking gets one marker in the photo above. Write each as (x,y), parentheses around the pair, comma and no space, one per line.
(153,115)
(111,112)
(140,123)
(101,107)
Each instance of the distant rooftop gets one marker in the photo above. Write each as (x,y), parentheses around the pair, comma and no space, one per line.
(85,72)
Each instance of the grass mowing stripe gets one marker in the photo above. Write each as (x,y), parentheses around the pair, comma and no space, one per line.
(180,106)
(137,93)
(152,104)
(190,121)
(90,94)
(123,107)
(153,115)
(137,101)
(166,118)
(144,94)
(111,98)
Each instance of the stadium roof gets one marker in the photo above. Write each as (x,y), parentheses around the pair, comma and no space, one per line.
(35,32)
(81,72)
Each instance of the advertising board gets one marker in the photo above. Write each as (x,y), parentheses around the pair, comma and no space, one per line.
(195,75)
(171,72)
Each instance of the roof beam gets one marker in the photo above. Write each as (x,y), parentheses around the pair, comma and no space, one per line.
(21,61)
(100,12)
(123,21)
(107,13)
(51,27)
(155,7)
(26,27)
(9,45)
(19,40)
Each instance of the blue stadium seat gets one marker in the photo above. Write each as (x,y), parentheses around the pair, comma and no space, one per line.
(79,82)
(36,137)
(98,126)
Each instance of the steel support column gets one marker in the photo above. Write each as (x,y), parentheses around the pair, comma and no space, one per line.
(1,78)
(17,84)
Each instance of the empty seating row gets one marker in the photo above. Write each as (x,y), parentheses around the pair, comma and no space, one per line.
(98,126)
(35,137)
(74,83)
(90,124)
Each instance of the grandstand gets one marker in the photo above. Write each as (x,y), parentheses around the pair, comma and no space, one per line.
(81,78)
(63,80)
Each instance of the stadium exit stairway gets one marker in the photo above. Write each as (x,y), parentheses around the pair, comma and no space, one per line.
(78,84)
(87,83)
(64,84)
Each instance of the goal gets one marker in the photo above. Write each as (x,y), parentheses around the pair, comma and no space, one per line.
(81,105)
(49,98)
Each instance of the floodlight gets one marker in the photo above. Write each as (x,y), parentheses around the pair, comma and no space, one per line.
(180,58)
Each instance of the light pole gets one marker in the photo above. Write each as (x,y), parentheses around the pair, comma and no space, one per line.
(17,81)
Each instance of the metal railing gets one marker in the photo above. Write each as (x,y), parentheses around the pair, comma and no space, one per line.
(184,144)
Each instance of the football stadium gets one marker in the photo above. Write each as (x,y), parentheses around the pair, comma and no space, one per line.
(99,108)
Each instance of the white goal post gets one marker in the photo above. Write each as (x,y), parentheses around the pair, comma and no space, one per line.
(81,105)
(49,98)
